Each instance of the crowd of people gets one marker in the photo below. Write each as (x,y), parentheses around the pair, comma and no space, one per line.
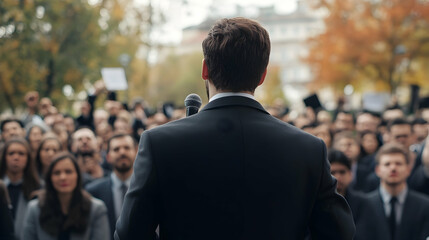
(65,177)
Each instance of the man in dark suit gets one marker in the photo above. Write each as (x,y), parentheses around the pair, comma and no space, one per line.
(347,143)
(233,171)
(400,213)
(121,152)
(341,170)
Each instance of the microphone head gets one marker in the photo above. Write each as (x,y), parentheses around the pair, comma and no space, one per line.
(193,100)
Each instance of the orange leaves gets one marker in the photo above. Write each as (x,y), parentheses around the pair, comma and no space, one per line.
(368,40)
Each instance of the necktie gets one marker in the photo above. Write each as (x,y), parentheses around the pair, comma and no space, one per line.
(392,217)
(124,190)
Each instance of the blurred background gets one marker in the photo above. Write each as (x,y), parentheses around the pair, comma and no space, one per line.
(353,51)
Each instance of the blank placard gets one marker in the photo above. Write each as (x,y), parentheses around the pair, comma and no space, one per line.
(114,79)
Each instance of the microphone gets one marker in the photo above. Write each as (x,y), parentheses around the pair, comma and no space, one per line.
(192,104)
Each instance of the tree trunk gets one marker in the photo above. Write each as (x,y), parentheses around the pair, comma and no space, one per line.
(50,78)
(8,97)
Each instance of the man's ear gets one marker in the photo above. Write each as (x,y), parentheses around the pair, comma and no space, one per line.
(205,71)
(263,77)
(377,170)
(108,158)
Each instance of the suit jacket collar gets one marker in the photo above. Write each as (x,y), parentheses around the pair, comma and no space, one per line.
(234,101)
(407,215)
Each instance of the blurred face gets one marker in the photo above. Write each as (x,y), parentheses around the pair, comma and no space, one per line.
(121,126)
(104,130)
(343,176)
(64,176)
(122,153)
(349,147)
(35,137)
(344,122)
(69,124)
(392,169)
(16,158)
(421,132)
(425,114)
(85,108)
(100,116)
(366,122)
(323,133)
(324,117)
(389,115)
(44,106)
(11,130)
(84,141)
(370,143)
(401,134)
(49,149)
(32,99)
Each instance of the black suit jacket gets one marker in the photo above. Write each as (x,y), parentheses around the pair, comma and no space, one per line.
(232,171)
(414,222)
(102,189)
(365,166)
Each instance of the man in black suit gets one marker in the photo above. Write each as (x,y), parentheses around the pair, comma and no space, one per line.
(233,171)
(121,152)
(400,213)
(347,143)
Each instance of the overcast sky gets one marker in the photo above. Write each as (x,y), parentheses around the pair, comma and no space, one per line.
(183,13)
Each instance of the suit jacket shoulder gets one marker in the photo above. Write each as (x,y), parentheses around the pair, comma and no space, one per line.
(99,186)
(102,189)
(232,171)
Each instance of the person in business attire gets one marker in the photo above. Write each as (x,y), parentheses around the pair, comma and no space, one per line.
(121,152)
(400,213)
(401,133)
(84,146)
(18,172)
(348,143)
(358,202)
(6,221)
(233,171)
(64,210)
(47,149)
(419,180)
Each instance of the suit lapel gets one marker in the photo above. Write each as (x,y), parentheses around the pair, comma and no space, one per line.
(382,219)
(407,218)
(234,101)
(110,205)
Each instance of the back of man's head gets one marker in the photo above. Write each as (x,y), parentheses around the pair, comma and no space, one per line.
(236,52)
(396,122)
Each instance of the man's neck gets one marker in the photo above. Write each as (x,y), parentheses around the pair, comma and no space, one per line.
(123,176)
(394,190)
(213,91)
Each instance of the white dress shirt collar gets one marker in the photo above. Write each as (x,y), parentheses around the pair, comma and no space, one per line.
(229,94)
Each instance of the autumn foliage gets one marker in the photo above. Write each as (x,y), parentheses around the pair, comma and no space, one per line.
(378,44)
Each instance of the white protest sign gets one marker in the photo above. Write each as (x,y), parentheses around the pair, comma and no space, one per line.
(114,79)
(375,102)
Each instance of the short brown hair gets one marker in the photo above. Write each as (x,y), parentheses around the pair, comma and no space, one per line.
(236,52)
(345,134)
(391,148)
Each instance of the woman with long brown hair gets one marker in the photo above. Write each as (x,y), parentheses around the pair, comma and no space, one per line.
(19,175)
(64,210)
(49,146)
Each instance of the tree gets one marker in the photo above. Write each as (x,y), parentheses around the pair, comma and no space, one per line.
(271,90)
(46,44)
(176,77)
(380,42)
